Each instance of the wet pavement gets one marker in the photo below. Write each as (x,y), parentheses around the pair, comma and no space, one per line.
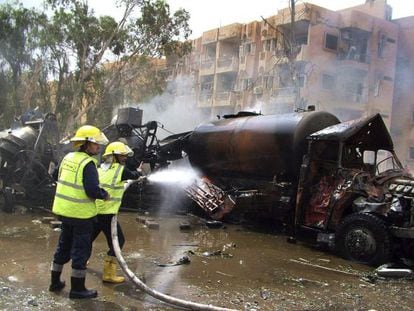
(231,267)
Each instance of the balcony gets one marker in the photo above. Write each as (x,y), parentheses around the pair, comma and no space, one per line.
(225,98)
(207,67)
(357,20)
(351,58)
(227,64)
(230,32)
(205,99)
(209,36)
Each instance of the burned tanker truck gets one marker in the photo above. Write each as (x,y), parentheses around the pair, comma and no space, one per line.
(333,183)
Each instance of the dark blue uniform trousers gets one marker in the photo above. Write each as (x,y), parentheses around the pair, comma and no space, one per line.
(74,242)
(104,224)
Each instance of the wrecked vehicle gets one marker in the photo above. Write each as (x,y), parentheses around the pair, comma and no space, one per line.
(331,183)
(28,152)
(31,148)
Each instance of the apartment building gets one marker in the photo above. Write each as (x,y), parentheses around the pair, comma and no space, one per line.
(352,62)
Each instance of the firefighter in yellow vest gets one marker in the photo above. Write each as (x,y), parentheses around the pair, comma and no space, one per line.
(74,203)
(112,176)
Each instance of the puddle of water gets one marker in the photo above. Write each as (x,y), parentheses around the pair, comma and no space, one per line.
(263,271)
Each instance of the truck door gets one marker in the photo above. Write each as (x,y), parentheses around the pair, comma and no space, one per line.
(317,184)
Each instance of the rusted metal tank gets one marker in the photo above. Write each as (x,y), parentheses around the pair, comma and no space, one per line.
(257,147)
(17,140)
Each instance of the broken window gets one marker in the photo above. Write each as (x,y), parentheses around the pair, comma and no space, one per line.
(352,156)
(210,51)
(382,39)
(354,45)
(331,42)
(269,45)
(328,81)
(250,48)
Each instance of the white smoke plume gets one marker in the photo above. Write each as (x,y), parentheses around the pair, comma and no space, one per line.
(176,109)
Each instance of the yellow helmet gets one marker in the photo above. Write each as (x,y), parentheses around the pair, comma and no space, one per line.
(90,133)
(118,148)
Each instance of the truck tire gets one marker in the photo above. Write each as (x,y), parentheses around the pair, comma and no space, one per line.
(363,238)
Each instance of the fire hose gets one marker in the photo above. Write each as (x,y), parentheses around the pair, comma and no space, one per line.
(142,286)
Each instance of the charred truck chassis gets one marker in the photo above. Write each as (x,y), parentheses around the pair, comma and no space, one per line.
(27,152)
(332,183)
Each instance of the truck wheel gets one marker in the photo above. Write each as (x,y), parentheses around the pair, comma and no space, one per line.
(363,238)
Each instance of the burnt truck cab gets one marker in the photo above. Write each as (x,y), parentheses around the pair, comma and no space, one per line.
(353,193)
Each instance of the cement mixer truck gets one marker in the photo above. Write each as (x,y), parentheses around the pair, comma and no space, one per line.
(333,183)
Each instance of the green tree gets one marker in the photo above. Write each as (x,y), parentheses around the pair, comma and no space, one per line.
(18,27)
(75,44)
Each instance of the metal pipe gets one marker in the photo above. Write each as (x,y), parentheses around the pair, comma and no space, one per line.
(142,286)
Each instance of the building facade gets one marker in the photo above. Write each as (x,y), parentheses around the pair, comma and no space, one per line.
(353,62)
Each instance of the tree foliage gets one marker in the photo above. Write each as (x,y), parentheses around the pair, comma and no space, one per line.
(18,27)
(85,65)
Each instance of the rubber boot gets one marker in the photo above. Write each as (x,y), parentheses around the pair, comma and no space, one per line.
(78,289)
(109,271)
(56,284)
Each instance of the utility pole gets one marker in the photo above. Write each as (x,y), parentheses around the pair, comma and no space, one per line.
(292,57)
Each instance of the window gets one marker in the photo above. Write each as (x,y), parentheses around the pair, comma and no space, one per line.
(302,39)
(328,82)
(268,82)
(250,48)
(269,45)
(301,80)
(331,42)
(207,86)
(381,44)
(377,87)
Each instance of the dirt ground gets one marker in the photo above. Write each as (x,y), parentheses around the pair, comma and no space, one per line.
(232,267)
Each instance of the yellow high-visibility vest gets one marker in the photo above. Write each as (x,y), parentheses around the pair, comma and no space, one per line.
(110,180)
(70,198)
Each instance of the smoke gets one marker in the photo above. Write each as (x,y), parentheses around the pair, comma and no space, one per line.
(176,109)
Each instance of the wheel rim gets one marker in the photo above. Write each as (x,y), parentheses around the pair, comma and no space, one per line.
(360,244)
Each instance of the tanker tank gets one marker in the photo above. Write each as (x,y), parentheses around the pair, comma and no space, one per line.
(256,147)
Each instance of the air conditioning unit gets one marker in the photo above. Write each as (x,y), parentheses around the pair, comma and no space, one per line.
(258,90)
